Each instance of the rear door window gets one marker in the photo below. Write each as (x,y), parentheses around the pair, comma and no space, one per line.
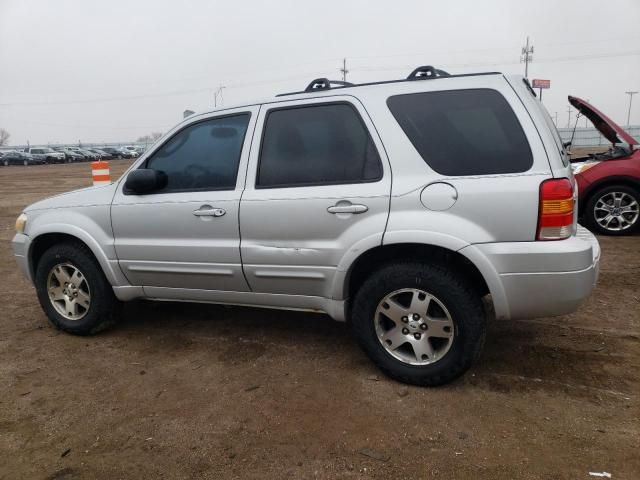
(463,132)
(325,144)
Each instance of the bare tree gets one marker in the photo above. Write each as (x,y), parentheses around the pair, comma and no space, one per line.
(4,137)
(149,138)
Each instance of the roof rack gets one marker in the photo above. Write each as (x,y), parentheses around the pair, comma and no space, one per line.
(325,84)
(425,72)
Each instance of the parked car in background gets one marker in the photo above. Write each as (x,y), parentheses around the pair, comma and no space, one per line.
(608,183)
(102,155)
(478,216)
(140,150)
(81,152)
(133,150)
(22,158)
(45,153)
(70,155)
(118,152)
(88,154)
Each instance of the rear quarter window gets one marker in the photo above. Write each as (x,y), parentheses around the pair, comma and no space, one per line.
(463,132)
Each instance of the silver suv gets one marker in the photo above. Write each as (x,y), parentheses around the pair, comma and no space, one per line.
(406,207)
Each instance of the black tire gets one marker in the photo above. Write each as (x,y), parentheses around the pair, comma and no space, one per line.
(104,309)
(589,214)
(462,301)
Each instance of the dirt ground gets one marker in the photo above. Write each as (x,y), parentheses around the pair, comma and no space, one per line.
(205,391)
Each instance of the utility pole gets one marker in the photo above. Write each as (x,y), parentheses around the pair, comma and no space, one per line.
(218,94)
(526,57)
(631,94)
(344,70)
(568,117)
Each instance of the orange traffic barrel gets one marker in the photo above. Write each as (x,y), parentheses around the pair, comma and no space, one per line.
(100,172)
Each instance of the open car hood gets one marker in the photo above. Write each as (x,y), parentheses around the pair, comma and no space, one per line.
(607,127)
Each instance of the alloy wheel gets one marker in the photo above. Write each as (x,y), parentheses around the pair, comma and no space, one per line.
(616,211)
(68,291)
(414,326)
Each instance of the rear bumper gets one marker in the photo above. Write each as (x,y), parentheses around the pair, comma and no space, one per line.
(538,279)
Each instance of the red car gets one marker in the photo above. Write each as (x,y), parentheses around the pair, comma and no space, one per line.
(608,183)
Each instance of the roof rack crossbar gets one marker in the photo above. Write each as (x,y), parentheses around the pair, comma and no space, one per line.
(426,72)
(325,84)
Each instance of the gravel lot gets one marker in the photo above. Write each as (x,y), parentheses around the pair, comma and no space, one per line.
(205,391)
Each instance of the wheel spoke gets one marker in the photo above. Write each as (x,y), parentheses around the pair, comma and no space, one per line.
(422,348)
(394,338)
(617,199)
(83,299)
(393,310)
(439,328)
(70,306)
(420,303)
(76,278)
(55,293)
(61,275)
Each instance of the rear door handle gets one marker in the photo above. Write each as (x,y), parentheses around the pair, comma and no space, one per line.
(209,212)
(347,208)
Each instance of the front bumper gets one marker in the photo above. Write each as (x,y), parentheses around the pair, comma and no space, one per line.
(542,279)
(20,244)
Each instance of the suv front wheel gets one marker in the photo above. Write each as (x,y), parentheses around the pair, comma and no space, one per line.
(420,323)
(73,290)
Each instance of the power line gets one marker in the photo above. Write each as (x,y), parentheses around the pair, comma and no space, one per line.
(502,63)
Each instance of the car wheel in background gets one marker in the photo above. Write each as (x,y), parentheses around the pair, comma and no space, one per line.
(613,210)
(420,323)
(73,290)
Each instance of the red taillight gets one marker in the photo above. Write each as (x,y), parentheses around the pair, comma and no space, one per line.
(555,214)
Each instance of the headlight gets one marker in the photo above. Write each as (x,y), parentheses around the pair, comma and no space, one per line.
(583,167)
(21,223)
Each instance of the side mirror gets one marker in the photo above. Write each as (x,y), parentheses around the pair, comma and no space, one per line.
(145,180)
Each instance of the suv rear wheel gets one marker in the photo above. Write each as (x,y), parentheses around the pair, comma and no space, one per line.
(614,210)
(73,290)
(421,324)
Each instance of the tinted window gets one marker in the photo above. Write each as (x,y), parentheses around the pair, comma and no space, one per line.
(463,132)
(316,145)
(203,156)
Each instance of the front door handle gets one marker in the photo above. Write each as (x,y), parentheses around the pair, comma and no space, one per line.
(347,208)
(206,211)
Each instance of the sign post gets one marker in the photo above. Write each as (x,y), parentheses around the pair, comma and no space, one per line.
(540,84)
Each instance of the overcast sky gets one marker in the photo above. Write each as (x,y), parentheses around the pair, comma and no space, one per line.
(115,70)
